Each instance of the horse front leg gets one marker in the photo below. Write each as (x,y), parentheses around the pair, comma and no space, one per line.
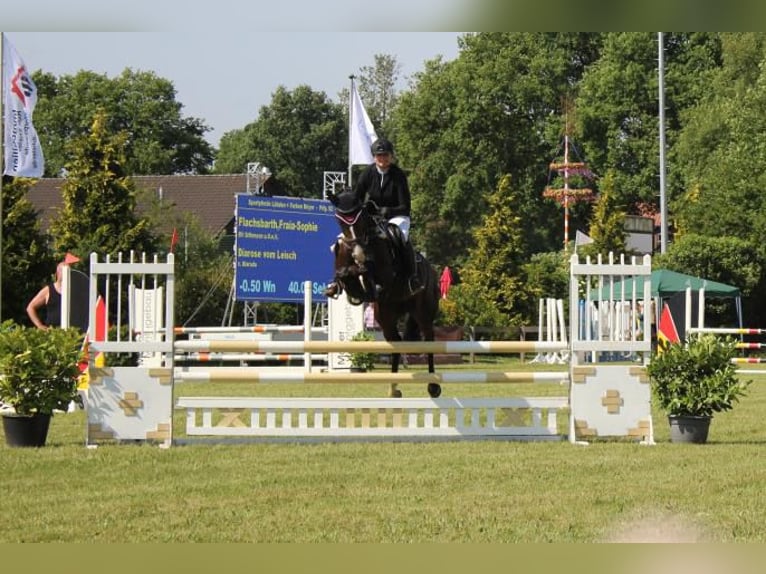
(434,389)
(390,333)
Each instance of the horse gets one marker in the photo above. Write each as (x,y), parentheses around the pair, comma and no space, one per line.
(369,269)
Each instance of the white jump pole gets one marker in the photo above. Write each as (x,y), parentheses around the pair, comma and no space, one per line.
(307,286)
(540,328)
(688,318)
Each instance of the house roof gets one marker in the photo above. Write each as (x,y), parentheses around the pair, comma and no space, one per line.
(209,197)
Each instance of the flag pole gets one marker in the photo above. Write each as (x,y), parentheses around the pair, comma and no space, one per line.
(350,127)
(2,171)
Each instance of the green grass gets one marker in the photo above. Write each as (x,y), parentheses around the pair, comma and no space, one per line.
(389,492)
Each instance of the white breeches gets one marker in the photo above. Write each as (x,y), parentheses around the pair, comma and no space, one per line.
(403,223)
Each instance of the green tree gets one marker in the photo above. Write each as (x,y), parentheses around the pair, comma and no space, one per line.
(299,135)
(617,103)
(719,153)
(726,259)
(729,260)
(495,266)
(546,275)
(27,263)
(160,140)
(721,148)
(607,227)
(494,110)
(99,198)
(204,275)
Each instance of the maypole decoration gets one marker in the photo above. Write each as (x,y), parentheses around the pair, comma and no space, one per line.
(565,195)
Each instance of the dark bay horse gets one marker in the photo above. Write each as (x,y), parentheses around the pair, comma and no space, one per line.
(368,269)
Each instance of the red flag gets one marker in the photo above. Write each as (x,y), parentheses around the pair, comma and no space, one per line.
(173,239)
(667,332)
(102,325)
(445,282)
(70,258)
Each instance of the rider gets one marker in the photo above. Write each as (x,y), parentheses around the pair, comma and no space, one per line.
(386,184)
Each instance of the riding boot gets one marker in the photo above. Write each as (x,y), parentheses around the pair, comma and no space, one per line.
(412,269)
(367,271)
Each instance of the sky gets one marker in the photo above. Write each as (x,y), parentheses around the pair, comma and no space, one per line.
(224,78)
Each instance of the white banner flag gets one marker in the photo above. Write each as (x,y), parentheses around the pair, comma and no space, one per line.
(362,132)
(582,239)
(23,154)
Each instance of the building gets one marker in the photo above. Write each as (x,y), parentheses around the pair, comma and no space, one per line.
(209,197)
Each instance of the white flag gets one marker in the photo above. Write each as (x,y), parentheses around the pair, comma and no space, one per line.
(362,132)
(23,154)
(582,239)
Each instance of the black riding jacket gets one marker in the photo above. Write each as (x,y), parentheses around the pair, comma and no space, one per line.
(389,191)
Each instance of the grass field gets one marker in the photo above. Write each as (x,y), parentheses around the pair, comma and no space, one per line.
(391,491)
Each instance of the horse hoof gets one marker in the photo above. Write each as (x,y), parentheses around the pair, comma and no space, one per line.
(395,394)
(434,390)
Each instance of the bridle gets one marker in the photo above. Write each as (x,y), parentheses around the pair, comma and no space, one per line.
(349,223)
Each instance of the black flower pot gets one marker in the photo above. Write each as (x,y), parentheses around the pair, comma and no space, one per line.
(26,430)
(689,429)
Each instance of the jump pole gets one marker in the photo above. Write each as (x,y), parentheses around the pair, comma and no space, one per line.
(404,347)
(239,374)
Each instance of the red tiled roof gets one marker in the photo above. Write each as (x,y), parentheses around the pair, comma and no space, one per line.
(209,197)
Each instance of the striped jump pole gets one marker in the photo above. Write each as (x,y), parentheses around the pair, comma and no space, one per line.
(247,329)
(234,375)
(728,331)
(204,357)
(750,345)
(405,347)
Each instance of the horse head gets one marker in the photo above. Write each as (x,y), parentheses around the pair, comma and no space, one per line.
(355,221)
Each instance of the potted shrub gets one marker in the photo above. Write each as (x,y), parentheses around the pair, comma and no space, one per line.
(38,375)
(693,380)
(362,362)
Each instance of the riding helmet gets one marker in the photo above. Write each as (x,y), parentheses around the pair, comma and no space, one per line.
(382,145)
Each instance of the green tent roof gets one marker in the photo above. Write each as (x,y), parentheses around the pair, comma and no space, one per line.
(666,283)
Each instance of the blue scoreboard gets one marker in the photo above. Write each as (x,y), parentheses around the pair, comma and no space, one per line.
(280,243)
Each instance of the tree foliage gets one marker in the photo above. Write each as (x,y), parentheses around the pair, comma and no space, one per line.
(495,265)
(720,203)
(298,136)
(607,228)
(99,198)
(204,275)
(27,263)
(159,139)
(492,111)
(618,109)
(729,260)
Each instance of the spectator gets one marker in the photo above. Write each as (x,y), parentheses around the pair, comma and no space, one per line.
(49,297)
